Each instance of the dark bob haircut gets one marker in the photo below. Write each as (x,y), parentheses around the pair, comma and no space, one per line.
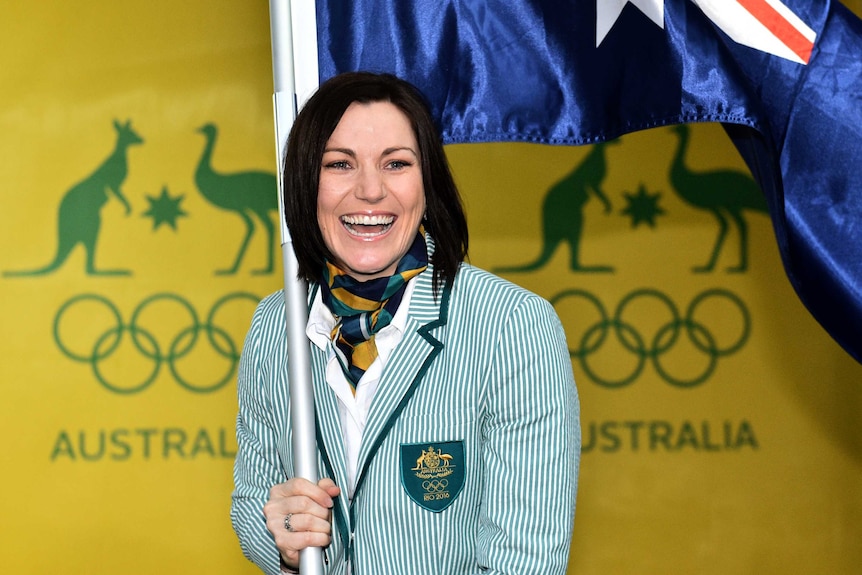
(445,219)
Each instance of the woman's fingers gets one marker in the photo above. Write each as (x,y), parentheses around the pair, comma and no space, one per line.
(309,531)
(290,544)
(298,515)
(302,523)
(299,496)
(330,487)
(299,487)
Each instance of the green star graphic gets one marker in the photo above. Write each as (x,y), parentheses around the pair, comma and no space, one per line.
(642,207)
(164,209)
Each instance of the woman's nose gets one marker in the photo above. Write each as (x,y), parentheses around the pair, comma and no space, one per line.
(370,186)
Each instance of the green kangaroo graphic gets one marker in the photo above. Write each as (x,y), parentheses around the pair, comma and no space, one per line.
(79,218)
(723,193)
(244,193)
(563,211)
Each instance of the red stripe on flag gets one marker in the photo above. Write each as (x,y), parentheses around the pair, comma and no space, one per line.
(778,25)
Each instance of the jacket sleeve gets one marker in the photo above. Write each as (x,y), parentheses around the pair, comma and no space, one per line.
(257,466)
(531,447)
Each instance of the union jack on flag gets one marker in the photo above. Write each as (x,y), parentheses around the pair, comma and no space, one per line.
(766,25)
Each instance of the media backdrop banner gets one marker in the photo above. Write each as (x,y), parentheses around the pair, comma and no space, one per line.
(720,421)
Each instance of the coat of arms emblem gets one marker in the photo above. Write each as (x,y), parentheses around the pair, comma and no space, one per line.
(433,474)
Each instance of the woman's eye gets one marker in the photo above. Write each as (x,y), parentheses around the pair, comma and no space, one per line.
(338,165)
(398,164)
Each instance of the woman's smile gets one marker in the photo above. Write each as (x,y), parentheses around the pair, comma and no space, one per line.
(367,226)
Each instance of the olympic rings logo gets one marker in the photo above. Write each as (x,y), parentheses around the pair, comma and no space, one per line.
(181,338)
(435,485)
(688,330)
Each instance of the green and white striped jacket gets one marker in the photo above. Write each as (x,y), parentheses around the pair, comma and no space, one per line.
(469,461)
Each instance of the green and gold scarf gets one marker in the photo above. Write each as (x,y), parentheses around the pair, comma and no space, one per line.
(364,308)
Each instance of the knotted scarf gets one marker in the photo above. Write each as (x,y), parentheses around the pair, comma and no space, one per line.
(364,308)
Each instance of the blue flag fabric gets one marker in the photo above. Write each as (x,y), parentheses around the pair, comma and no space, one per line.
(582,71)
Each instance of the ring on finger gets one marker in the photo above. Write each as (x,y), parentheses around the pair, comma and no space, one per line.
(287,524)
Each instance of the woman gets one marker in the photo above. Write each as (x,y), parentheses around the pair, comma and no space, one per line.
(446,408)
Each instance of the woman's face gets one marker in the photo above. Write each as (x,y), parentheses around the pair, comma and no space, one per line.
(371,199)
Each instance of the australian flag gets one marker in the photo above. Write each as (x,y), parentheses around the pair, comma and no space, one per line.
(783,76)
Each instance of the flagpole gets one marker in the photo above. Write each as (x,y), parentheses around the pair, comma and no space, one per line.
(290,31)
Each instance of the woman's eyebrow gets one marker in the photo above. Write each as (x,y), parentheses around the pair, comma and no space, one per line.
(392,150)
(347,151)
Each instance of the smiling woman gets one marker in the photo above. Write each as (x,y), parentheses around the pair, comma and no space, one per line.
(444,395)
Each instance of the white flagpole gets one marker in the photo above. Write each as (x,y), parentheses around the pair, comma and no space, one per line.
(293,29)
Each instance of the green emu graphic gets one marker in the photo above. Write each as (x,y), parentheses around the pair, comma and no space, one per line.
(79,218)
(243,193)
(563,212)
(723,193)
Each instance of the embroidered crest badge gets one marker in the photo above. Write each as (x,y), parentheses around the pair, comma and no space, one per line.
(432,474)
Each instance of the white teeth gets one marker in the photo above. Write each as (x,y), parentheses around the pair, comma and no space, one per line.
(368,220)
(354,225)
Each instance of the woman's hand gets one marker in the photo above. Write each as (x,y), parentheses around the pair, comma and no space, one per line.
(298,514)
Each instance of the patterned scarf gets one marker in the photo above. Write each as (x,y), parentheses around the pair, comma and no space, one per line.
(364,308)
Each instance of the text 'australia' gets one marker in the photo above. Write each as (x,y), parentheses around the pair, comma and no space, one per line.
(666,436)
(123,444)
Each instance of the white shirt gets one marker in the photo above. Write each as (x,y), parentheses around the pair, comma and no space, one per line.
(353,410)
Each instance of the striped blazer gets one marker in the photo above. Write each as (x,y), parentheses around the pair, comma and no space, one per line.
(469,461)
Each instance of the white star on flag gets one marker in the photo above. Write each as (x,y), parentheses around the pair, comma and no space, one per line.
(608,11)
(765,25)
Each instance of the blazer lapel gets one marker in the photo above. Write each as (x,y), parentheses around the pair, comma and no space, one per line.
(330,442)
(406,365)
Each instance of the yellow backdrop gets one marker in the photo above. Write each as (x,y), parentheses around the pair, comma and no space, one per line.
(720,422)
